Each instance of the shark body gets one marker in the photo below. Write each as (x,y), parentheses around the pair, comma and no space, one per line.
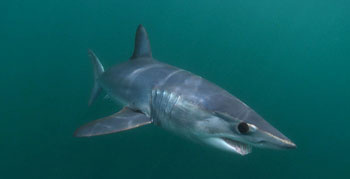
(179,101)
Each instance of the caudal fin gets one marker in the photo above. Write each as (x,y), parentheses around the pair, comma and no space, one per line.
(98,70)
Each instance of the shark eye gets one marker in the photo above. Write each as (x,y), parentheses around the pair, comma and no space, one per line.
(243,128)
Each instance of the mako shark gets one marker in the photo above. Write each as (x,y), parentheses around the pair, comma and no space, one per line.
(179,101)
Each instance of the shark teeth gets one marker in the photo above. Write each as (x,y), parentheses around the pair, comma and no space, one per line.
(230,145)
(238,147)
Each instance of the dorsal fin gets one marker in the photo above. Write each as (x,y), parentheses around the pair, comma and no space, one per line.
(142,45)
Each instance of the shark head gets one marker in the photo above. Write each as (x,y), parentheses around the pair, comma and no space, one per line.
(217,118)
(240,133)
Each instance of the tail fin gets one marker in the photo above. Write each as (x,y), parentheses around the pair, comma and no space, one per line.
(98,70)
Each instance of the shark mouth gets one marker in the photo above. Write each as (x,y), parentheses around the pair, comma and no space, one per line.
(238,147)
(228,144)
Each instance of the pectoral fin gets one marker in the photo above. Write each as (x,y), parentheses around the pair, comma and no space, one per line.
(120,121)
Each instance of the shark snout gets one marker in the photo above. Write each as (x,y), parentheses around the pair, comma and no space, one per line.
(276,141)
(287,144)
(264,135)
(290,146)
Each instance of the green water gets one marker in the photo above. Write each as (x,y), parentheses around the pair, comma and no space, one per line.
(289,60)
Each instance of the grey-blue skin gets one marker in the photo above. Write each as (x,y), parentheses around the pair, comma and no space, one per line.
(179,101)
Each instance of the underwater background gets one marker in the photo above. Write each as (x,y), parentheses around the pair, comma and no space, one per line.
(288,60)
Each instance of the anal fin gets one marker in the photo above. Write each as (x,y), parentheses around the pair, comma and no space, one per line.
(120,121)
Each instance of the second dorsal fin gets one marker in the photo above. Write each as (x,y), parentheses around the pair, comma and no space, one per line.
(142,45)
